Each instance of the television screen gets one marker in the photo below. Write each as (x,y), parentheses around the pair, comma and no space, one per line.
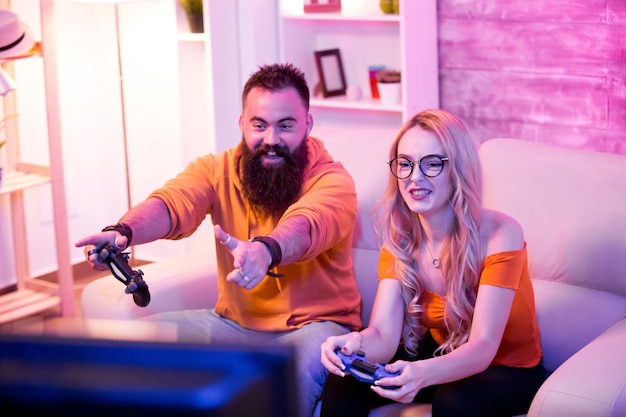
(44,375)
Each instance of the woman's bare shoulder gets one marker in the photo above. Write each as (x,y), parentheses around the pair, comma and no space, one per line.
(500,232)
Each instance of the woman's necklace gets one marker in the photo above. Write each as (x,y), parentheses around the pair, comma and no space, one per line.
(436,262)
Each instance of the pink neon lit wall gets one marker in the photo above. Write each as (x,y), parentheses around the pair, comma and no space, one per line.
(550,71)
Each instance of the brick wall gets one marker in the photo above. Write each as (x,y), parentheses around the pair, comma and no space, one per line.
(550,71)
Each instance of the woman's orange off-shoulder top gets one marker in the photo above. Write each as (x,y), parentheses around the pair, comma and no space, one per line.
(521,343)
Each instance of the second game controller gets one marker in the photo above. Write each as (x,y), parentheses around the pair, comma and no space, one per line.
(363,370)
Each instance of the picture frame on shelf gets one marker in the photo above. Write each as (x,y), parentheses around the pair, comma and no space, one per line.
(322,6)
(330,70)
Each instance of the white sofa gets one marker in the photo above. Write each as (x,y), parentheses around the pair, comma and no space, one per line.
(572,206)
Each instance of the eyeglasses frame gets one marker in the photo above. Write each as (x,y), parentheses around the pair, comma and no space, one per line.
(442,158)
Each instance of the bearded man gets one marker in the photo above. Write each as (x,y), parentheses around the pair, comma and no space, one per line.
(283,212)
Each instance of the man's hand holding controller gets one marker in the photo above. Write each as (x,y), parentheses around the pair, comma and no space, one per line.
(116,236)
(104,250)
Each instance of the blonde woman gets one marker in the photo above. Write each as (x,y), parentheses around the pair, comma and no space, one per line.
(454,313)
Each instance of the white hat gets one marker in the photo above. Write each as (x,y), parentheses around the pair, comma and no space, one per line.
(16,39)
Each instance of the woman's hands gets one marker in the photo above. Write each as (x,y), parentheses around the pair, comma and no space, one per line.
(410,380)
(351,343)
(348,343)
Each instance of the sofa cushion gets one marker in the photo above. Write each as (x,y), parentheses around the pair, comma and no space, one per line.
(184,282)
(588,384)
(365,263)
(570,204)
(570,317)
(365,160)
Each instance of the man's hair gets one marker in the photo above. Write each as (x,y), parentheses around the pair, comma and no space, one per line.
(400,231)
(276,77)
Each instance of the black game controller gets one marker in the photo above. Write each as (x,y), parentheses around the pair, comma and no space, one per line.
(117,262)
(365,371)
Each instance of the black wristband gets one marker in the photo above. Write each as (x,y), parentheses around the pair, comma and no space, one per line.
(123,229)
(276,252)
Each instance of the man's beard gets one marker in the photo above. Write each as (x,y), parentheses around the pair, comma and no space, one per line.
(272,189)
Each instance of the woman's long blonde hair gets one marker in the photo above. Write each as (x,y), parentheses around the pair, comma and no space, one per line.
(399,230)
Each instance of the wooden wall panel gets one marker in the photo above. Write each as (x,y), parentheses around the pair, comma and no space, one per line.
(526,97)
(617,106)
(589,11)
(616,11)
(551,71)
(526,46)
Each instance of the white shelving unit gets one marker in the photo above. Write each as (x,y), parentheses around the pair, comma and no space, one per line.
(365,37)
(208,86)
(33,296)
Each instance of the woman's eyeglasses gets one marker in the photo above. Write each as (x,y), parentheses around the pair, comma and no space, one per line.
(430,165)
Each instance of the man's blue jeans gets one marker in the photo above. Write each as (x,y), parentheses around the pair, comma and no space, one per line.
(208,326)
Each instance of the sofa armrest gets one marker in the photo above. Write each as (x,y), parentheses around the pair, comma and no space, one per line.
(181,283)
(590,383)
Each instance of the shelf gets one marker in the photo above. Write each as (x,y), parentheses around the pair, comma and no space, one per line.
(365,37)
(27,176)
(22,303)
(31,296)
(343,17)
(367,104)
(190,37)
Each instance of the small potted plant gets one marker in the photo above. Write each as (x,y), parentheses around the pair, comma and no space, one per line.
(193,10)
(388,76)
(389,86)
(390,6)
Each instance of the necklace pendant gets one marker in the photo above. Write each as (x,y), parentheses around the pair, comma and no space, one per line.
(436,263)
